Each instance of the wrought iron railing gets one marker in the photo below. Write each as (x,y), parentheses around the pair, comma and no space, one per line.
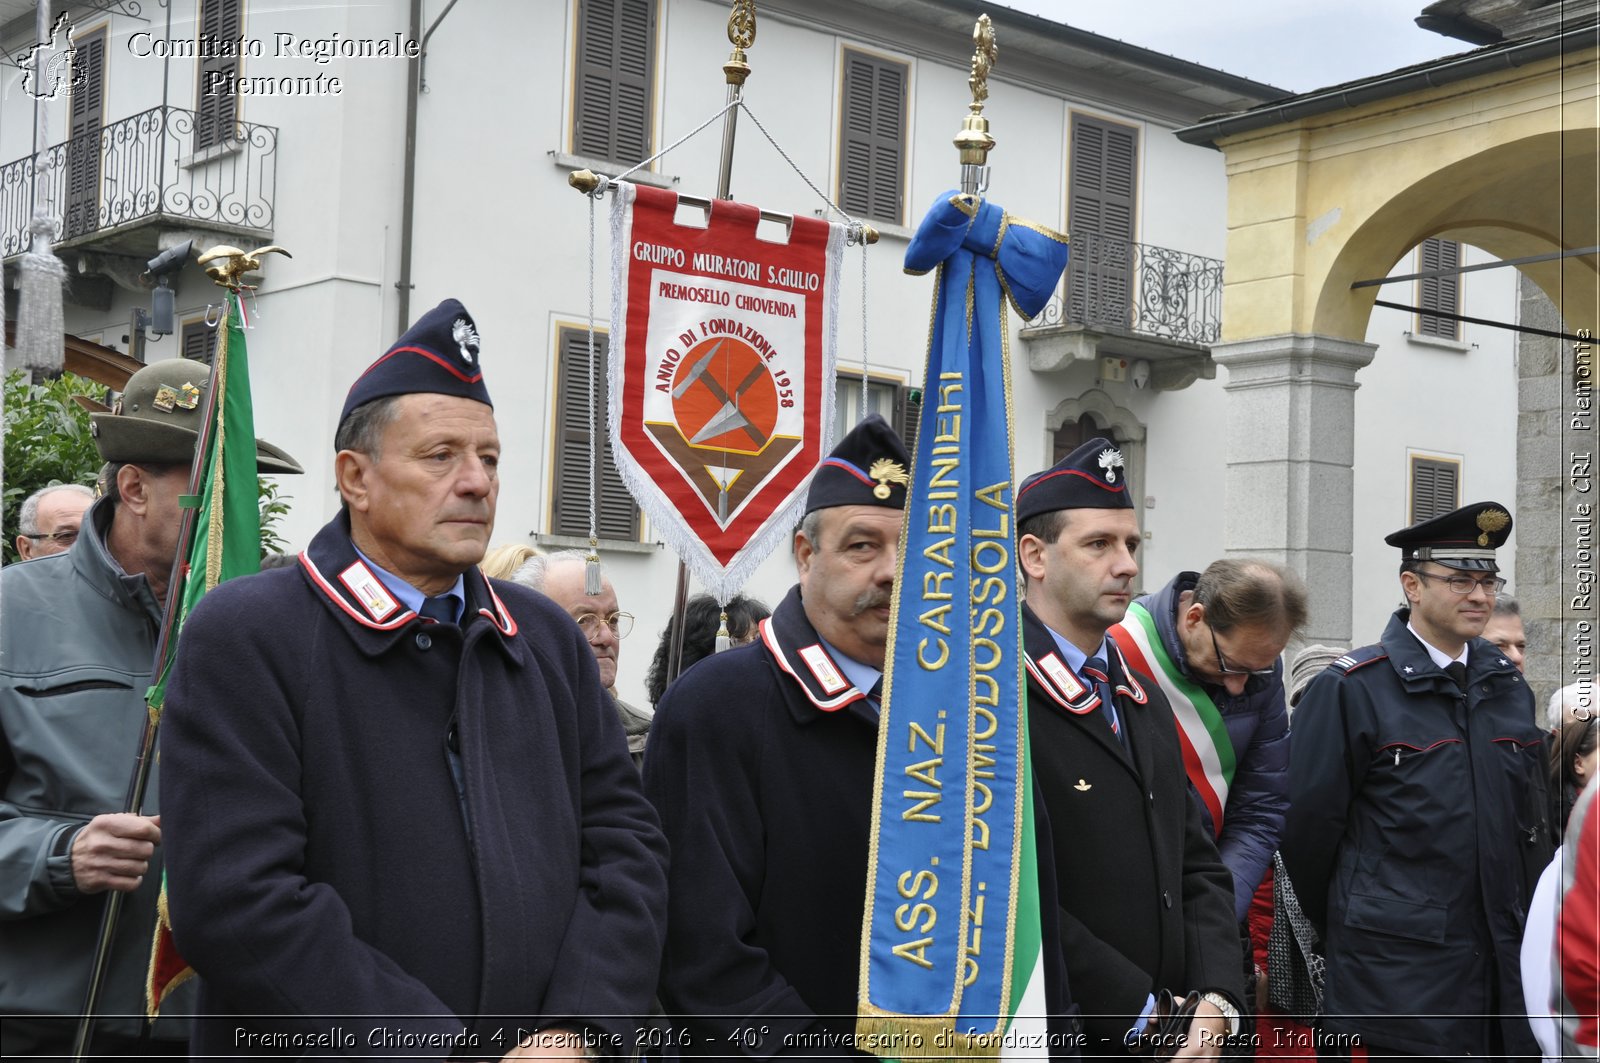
(1138,288)
(139,167)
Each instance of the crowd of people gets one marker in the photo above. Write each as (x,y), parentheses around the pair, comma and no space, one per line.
(402,810)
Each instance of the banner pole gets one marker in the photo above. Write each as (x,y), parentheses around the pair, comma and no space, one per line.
(741,34)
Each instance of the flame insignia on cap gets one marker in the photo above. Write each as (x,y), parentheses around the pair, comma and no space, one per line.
(1111,460)
(1491,521)
(466,338)
(887,471)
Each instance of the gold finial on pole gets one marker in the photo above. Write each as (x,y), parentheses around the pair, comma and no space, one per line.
(741,34)
(974,141)
(226,266)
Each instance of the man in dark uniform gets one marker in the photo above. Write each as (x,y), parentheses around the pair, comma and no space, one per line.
(395,792)
(1416,827)
(1146,903)
(762,760)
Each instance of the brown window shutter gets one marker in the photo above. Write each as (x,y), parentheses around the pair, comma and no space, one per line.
(618,514)
(612,105)
(1102,187)
(198,341)
(872,138)
(1435,488)
(1439,293)
(221,21)
(84,149)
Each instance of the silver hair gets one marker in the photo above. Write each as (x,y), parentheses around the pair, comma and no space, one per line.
(536,570)
(1505,605)
(811,528)
(362,431)
(28,519)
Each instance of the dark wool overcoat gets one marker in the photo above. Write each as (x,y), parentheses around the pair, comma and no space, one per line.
(762,767)
(319,857)
(1416,834)
(1145,901)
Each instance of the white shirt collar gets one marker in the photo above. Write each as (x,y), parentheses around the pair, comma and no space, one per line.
(1438,656)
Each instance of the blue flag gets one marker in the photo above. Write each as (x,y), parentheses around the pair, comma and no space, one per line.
(951,943)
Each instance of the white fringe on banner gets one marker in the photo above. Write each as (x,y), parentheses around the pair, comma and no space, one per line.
(721,583)
(41,320)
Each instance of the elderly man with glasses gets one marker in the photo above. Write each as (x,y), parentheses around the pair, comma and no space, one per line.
(559,577)
(49,520)
(1416,827)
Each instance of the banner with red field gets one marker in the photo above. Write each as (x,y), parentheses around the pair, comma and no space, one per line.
(721,374)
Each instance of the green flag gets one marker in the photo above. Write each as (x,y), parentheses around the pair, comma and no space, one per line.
(226,543)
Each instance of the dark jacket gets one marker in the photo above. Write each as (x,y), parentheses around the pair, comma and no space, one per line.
(1145,901)
(77,637)
(1258,726)
(320,860)
(764,782)
(1416,834)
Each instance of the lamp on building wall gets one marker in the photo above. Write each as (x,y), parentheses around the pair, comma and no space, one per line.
(160,320)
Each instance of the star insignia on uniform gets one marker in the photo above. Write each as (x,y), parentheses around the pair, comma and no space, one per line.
(1491,521)
(1409,669)
(1504,661)
(887,471)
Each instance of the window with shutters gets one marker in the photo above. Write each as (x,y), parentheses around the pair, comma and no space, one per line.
(578,421)
(1439,293)
(897,403)
(197,340)
(1435,487)
(83,148)
(872,138)
(216,111)
(1102,189)
(616,62)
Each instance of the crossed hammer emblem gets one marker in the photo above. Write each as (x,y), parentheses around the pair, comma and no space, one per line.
(728,418)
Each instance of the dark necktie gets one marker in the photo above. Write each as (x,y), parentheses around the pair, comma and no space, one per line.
(1457,671)
(1095,668)
(441,609)
(875,695)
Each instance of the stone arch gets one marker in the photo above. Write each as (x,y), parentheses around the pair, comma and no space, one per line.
(1493,199)
(1126,430)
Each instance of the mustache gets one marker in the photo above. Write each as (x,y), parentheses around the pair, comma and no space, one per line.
(877,597)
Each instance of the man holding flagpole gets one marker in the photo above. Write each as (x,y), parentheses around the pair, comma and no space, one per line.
(1146,903)
(77,640)
(395,792)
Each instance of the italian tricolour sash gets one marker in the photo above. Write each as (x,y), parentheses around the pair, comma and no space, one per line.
(951,945)
(1208,754)
(721,374)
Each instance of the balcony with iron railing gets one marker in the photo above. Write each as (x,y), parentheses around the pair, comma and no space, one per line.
(1133,300)
(115,188)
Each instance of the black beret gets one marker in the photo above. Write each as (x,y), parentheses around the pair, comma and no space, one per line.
(438,355)
(1091,477)
(1464,538)
(157,419)
(869,467)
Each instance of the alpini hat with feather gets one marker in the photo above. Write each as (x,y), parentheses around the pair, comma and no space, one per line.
(869,467)
(1465,538)
(157,419)
(1091,477)
(438,355)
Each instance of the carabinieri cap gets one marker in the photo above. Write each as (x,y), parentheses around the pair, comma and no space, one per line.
(1465,538)
(1091,477)
(869,467)
(438,355)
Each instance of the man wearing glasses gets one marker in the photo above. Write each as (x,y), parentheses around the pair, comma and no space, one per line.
(1212,640)
(48,523)
(559,577)
(1416,826)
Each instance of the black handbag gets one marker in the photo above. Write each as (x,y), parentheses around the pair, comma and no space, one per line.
(1295,969)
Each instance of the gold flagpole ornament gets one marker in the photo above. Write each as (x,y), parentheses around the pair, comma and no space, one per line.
(227,265)
(974,141)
